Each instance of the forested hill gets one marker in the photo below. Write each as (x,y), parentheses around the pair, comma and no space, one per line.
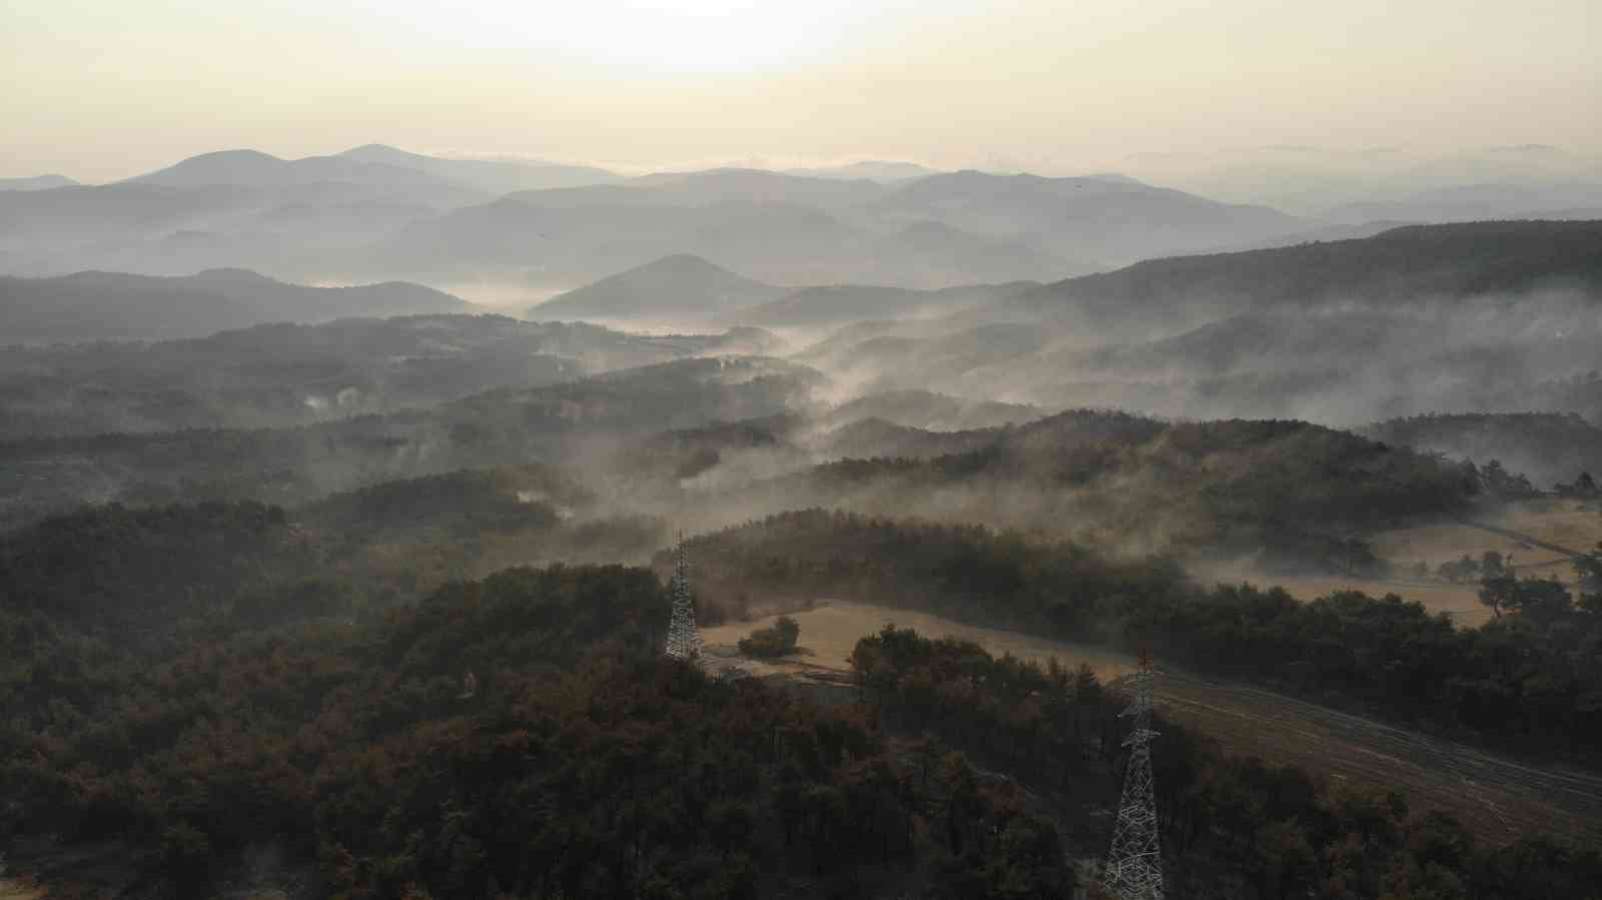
(120,306)
(1294,492)
(1416,262)
(150,575)
(296,465)
(285,374)
(1552,448)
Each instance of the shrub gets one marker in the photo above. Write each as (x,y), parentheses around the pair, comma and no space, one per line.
(776,641)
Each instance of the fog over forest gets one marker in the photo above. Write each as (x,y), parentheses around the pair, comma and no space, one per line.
(673,481)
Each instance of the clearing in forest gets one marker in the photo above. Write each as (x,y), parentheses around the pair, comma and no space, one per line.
(12,889)
(1540,536)
(1499,799)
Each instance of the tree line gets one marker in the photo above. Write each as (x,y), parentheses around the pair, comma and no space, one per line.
(1525,681)
(1232,828)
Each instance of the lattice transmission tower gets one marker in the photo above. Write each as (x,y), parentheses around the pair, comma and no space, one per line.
(1134,869)
(683,638)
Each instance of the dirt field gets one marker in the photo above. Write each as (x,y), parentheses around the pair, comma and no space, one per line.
(1565,522)
(11,889)
(830,632)
(1499,799)
(1539,535)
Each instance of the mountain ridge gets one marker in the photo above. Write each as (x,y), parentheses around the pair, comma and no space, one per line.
(36,183)
(694,286)
(96,304)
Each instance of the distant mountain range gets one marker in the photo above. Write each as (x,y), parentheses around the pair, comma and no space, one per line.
(1476,202)
(1105,218)
(307,218)
(871,170)
(1321,182)
(456,180)
(253,169)
(491,176)
(689,289)
(936,231)
(35,183)
(114,305)
(377,212)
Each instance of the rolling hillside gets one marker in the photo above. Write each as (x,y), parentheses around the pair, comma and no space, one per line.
(114,305)
(681,286)
(1411,263)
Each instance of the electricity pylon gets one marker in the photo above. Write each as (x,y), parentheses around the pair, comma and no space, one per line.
(1134,869)
(683,638)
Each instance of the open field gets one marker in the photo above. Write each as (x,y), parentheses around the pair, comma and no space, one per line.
(12,889)
(830,632)
(1539,536)
(1460,601)
(1499,799)
(1565,522)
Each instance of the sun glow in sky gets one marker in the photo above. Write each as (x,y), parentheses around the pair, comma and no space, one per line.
(101,89)
(727,36)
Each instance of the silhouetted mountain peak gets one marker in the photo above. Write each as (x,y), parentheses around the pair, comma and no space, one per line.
(678,284)
(222,166)
(376,152)
(684,264)
(36,183)
(234,276)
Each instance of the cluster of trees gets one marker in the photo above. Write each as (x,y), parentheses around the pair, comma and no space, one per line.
(1498,482)
(779,639)
(1526,681)
(1584,487)
(1544,602)
(1232,827)
(1467,568)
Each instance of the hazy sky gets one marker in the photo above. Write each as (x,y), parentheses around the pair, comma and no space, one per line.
(102,90)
